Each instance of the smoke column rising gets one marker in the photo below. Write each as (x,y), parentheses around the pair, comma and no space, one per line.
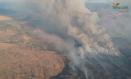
(78,25)
(87,44)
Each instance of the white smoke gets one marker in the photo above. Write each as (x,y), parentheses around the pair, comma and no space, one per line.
(77,25)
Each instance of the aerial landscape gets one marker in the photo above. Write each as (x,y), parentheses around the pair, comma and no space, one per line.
(65,39)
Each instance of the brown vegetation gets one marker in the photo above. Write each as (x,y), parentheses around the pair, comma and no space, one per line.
(20,56)
(22,63)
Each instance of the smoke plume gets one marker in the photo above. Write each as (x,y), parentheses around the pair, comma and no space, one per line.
(87,45)
(74,23)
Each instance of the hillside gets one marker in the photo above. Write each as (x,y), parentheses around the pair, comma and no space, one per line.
(21,57)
